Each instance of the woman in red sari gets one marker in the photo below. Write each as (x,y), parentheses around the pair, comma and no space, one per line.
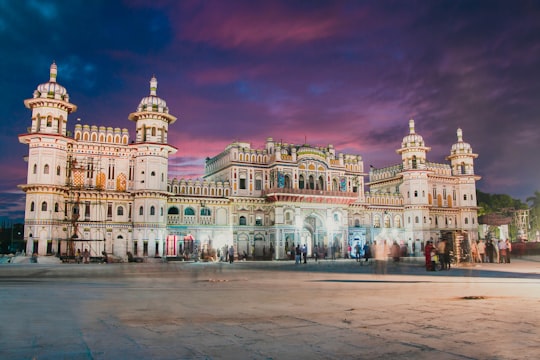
(427,253)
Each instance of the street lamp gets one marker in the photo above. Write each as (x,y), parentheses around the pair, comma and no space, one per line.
(12,237)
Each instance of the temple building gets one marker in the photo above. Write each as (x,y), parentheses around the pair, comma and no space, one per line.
(95,188)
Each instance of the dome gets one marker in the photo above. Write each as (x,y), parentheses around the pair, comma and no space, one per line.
(51,89)
(461,147)
(413,139)
(153,102)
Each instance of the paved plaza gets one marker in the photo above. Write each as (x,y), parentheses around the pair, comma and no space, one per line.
(270,310)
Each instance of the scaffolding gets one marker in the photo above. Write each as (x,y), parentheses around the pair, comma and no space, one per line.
(85,185)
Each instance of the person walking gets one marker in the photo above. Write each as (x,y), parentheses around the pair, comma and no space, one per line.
(474,252)
(508,250)
(395,251)
(357,250)
(481,251)
(297,254)
(502,251)
(489,251)
(367,252)
(441,251)
(304,253)
(427,254)
(231,254)
(86,256)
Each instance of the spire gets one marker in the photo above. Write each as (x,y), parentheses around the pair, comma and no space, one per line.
(459,135)
(411,126)
(53,73)
(153,86)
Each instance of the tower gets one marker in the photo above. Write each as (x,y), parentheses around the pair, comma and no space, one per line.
(150,168)
(46,178)
(415,184)
(462,163)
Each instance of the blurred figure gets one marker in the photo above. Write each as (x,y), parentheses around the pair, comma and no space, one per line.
(508,250)
(367,252)
(427,254)
(231,254)
(395,251)
(502,251)
(481,251)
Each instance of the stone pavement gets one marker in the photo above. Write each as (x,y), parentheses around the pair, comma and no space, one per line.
(269,310)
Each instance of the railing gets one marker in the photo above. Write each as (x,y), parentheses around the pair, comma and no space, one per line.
(173,219)
(189,220)
(292,191)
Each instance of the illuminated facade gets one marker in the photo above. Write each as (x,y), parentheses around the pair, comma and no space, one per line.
(98,190)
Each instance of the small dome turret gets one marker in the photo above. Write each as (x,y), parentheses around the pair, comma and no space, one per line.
(461,147)
(153,102)
(51,89)
(412,139)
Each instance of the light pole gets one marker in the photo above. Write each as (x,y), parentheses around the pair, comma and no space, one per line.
(12,236)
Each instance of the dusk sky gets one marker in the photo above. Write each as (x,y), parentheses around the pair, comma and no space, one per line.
(347,73)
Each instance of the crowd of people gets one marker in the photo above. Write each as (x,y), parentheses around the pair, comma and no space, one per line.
(491,251)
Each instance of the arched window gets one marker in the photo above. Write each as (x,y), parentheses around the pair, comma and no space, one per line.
(416,220)
(287,182)
(153,173)
(141,211)
(414,165)
(55,207)
(311,184)
(356,223)
(32,206)
(120,211)
(46,169)
(189,211)
(44,206)
(58,170)
(173,211)
(35,169)
(242,220)
(301,182)
(152,210)
(320,184)
(466,220)
(205,211)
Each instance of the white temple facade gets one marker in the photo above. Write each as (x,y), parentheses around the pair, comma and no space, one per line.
(97,189)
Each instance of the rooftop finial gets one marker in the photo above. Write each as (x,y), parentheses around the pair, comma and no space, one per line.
(459,135)
(411,126)
(53,71)
(153,86)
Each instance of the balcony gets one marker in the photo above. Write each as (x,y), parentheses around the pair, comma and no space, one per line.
(309,195)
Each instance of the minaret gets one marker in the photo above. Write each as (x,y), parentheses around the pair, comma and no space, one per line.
(50,107)
(47,159)
(151,162)
(461,157)
(414,186)
(462,163)
(413,150)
